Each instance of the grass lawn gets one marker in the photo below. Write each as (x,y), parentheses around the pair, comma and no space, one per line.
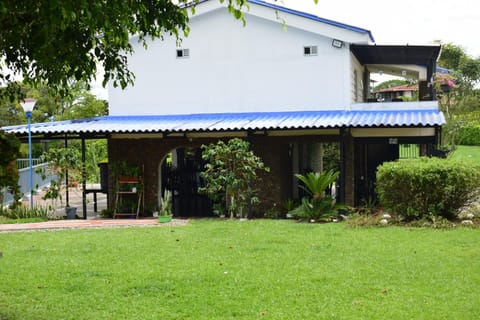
(263,269)
(471,153)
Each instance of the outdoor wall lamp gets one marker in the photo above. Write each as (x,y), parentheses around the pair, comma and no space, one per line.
(337,43)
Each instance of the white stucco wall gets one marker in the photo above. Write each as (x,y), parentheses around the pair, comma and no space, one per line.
(231,68)
(356,82)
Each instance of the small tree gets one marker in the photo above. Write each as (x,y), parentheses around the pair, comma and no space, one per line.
(60,162)
(230,174)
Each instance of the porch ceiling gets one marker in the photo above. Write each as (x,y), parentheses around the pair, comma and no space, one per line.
(227,122)
(396,54)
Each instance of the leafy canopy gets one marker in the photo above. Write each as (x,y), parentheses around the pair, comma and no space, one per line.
(9,150)
(60,41)
(464,68)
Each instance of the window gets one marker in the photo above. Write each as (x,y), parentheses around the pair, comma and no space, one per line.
(310,50)
(183,53)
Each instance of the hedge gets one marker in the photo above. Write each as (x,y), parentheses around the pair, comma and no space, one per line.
(468,135)
(426,186)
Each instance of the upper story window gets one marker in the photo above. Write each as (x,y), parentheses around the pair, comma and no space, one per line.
(183,53)
(310,50)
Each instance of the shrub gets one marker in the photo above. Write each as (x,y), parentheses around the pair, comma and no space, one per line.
(23,212)
(317,205)
(427,186)
(230,174)
(468,135)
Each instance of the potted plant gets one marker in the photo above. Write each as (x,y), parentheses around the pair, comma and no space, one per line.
(62,163)
(165,214)
(124,172)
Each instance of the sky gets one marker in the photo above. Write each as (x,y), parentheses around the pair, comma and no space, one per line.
(406,21)
(397,22)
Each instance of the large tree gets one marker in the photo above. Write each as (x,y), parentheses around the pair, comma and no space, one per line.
(59,41)
(465,68)
(460,100)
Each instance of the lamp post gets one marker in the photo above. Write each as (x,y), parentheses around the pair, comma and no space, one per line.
(27,105)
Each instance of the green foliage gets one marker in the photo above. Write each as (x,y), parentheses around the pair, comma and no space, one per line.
(230,174)
(419,188)
(61,41)
(290,204)
(468,135)
(166,203)
(9,151)
(368,206)
(465,68)
(4,220)
(60,161)
(465,96)
(123,169)
(390,84)
(317,206)
(315,183)
(23,212)
(331,156)
(85,106)
(274,213)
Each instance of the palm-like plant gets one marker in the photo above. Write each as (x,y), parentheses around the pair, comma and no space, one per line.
(317,206)
(315,183)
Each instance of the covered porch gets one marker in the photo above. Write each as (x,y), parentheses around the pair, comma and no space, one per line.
(275,136)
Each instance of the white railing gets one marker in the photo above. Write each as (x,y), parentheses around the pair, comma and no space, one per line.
(25,163)
(24,180)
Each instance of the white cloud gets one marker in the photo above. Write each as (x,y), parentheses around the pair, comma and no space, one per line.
(407,21)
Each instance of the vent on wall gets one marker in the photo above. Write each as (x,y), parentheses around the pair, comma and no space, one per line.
(310,50)
(183,53)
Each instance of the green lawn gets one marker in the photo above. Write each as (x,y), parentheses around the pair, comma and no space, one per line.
(467,153)
(263,269)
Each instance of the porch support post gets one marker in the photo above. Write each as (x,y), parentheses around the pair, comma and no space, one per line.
(342,180)
(438,136)
(84,181)
(67,194)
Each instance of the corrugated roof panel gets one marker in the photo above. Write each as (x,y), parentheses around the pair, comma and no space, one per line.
(238,122)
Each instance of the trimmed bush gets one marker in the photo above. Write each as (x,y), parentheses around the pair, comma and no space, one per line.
(422,187)
(468,135)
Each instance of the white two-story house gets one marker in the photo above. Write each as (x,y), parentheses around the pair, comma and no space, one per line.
(287,82)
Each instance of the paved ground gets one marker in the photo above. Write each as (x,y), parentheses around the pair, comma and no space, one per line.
(89,223)
(93,219)
(75,200)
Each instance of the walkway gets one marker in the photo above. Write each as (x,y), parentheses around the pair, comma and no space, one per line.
(93,219)
(89,223)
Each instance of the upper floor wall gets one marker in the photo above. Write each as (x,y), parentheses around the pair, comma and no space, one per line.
(223,66)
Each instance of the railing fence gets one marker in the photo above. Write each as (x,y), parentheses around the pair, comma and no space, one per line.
(24,179)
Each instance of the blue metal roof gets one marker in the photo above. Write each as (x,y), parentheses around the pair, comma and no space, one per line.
(313,17)
(219,122)
(442,70)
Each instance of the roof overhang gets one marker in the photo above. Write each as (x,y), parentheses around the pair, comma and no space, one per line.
(422,55)
(222,124)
